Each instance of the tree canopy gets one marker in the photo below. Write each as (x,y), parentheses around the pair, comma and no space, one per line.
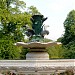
(12,20)
(68,39)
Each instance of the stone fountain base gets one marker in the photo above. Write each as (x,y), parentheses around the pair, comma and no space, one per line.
(37,50)
(37,62)
(37,56)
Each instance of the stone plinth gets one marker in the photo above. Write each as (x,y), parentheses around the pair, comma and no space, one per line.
(37,56)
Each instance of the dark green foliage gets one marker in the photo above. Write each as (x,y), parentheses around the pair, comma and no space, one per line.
(69,26)
(23,53)
(69,50)
(68,39)
(59,39)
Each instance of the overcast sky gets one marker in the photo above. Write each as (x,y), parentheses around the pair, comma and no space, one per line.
(56,11)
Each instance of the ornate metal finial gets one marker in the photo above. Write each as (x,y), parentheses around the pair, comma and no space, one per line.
(37,23)
(37,32)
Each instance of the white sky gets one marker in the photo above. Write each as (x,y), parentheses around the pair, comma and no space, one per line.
(56,11)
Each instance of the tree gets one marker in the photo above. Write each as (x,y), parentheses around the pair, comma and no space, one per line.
(68,39)
(10,31)
(12,20)
(59,39)
(69,26)
(33,10)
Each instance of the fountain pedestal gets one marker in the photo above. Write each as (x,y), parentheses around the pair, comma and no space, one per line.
(37,56)
(37,50)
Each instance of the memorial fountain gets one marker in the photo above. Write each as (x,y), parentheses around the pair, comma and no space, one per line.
(36,45)
(37,59)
